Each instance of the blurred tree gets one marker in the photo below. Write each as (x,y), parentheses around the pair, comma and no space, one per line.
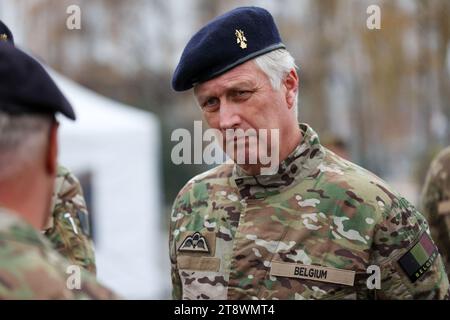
(385,91)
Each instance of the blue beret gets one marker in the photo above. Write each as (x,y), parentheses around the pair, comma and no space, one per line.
(224,43)
(5,33)
(25,86)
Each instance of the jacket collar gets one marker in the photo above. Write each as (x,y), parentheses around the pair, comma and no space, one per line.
(300,163)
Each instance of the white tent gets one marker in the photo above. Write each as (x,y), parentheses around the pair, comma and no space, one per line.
(119,147)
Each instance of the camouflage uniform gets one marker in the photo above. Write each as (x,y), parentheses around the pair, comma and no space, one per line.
(436,203)
(31,269)
(68,225)
(234,236)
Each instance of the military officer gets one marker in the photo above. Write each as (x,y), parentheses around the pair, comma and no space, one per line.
(320,227)
(435,203)
(29,266)
(68,225)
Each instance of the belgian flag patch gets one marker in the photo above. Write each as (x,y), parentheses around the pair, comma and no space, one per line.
(419,258)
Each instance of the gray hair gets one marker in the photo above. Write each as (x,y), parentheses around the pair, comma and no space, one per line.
(23,139)
(276,65)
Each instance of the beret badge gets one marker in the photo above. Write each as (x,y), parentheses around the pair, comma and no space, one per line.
(241,39)
(3,37)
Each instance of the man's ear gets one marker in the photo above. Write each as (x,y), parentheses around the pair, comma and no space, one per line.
(51,162)
(291,84)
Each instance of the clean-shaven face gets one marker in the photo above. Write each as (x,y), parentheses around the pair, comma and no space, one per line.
(243,98)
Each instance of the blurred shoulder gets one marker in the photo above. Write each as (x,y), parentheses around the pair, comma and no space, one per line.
(31,269)
(66,180)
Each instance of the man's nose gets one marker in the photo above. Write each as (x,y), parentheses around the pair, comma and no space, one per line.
(229,116)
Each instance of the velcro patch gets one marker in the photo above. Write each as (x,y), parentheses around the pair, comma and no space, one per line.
(195,242)
(419,258)
(312,272)
(198,263)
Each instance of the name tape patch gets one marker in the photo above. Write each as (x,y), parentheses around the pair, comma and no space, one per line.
(311,272)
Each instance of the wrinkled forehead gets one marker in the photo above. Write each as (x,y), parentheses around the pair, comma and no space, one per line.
(241,77)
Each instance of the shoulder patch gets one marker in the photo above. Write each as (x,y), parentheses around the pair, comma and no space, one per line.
(419,258)
(194,243)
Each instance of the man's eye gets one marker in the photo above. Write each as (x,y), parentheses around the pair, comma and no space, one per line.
(243,94)
(210,103)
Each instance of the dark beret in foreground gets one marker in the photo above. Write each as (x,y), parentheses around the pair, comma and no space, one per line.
(224,43)
(5,33)
(25,86)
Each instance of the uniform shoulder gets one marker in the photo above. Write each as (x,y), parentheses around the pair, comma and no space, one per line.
(67,187)
(24,271)
(31,272)
(65,179)
(26,274)
(364,188)
(62,171)
(360,193)
(217,175)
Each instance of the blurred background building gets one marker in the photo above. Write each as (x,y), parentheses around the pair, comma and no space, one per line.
(385,93)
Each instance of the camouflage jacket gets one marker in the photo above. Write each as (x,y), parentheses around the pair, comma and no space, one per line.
(436,203)
(68,225)
(308,232)
(31,269)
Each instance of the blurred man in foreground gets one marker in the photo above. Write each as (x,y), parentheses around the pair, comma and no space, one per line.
(29,266)
(68,224)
